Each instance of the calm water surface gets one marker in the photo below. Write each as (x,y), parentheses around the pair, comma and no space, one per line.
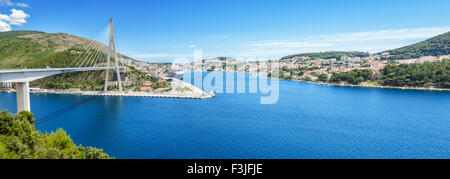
(309,121)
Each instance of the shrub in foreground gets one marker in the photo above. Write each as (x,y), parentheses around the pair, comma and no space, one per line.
(19,139)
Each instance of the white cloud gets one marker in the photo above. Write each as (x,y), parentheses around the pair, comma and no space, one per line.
(192,46)
(17,17)
(287,44)
(10,3)
(399,34)
(152,56)
(21,4)
(6,3)
(4,27)
(369,41)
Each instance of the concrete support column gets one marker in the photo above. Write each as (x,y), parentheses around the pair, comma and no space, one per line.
(23,96)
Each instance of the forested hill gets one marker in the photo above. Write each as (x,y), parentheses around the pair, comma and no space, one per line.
(328,55)
(436,46)
(31,49)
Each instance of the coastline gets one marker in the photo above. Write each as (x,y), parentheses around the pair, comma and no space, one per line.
(360,86)
(375,86)
(195,92)
(366,85)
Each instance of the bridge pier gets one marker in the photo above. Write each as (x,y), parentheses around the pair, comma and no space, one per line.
(23,96)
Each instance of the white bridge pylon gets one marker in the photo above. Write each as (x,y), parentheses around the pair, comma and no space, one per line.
(112,48)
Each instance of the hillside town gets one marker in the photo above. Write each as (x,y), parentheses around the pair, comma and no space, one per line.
(305,68)
(300,68)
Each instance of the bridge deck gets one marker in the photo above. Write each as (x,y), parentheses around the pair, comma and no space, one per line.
(28,75)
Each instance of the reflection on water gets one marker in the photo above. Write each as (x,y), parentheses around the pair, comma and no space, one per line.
(64,111)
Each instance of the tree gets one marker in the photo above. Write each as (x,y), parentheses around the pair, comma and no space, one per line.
(354,77)
(323,78)
(439,45)
(20,140)
(418,75)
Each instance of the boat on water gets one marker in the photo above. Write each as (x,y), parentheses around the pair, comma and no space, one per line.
(178,74)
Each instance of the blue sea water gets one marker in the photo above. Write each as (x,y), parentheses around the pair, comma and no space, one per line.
(309,121)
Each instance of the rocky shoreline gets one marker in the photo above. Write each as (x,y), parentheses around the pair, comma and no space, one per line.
(366,85)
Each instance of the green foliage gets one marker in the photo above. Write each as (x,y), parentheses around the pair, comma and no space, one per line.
(418,75)
(56,60)
(19,52)
(83,80)
(328,55)
(436,46)
(322,78)
(20,140)
(14,34)
(141,75)
(159,85)
(2,149)
(93,153)
(59,140)
(354,77)
(6,120)
(16,52)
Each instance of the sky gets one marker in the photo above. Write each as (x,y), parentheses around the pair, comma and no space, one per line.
(163,30)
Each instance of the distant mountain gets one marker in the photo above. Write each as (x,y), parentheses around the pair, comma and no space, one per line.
(436,46)
(328,55)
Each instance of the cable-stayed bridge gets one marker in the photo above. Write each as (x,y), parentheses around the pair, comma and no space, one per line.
(95,56)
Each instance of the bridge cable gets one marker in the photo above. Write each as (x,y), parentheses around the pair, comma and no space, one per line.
(97,56)
(88,47)
(99,53)
(103,55)
(118,50)
(82,53)
(95,53)
(91,51)
(78,64)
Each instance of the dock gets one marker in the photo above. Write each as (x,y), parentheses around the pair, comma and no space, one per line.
(192,93)
(149,95)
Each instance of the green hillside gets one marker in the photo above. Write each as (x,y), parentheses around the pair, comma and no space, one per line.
(436,46)
(30,49)
(328,55)
(14,34)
